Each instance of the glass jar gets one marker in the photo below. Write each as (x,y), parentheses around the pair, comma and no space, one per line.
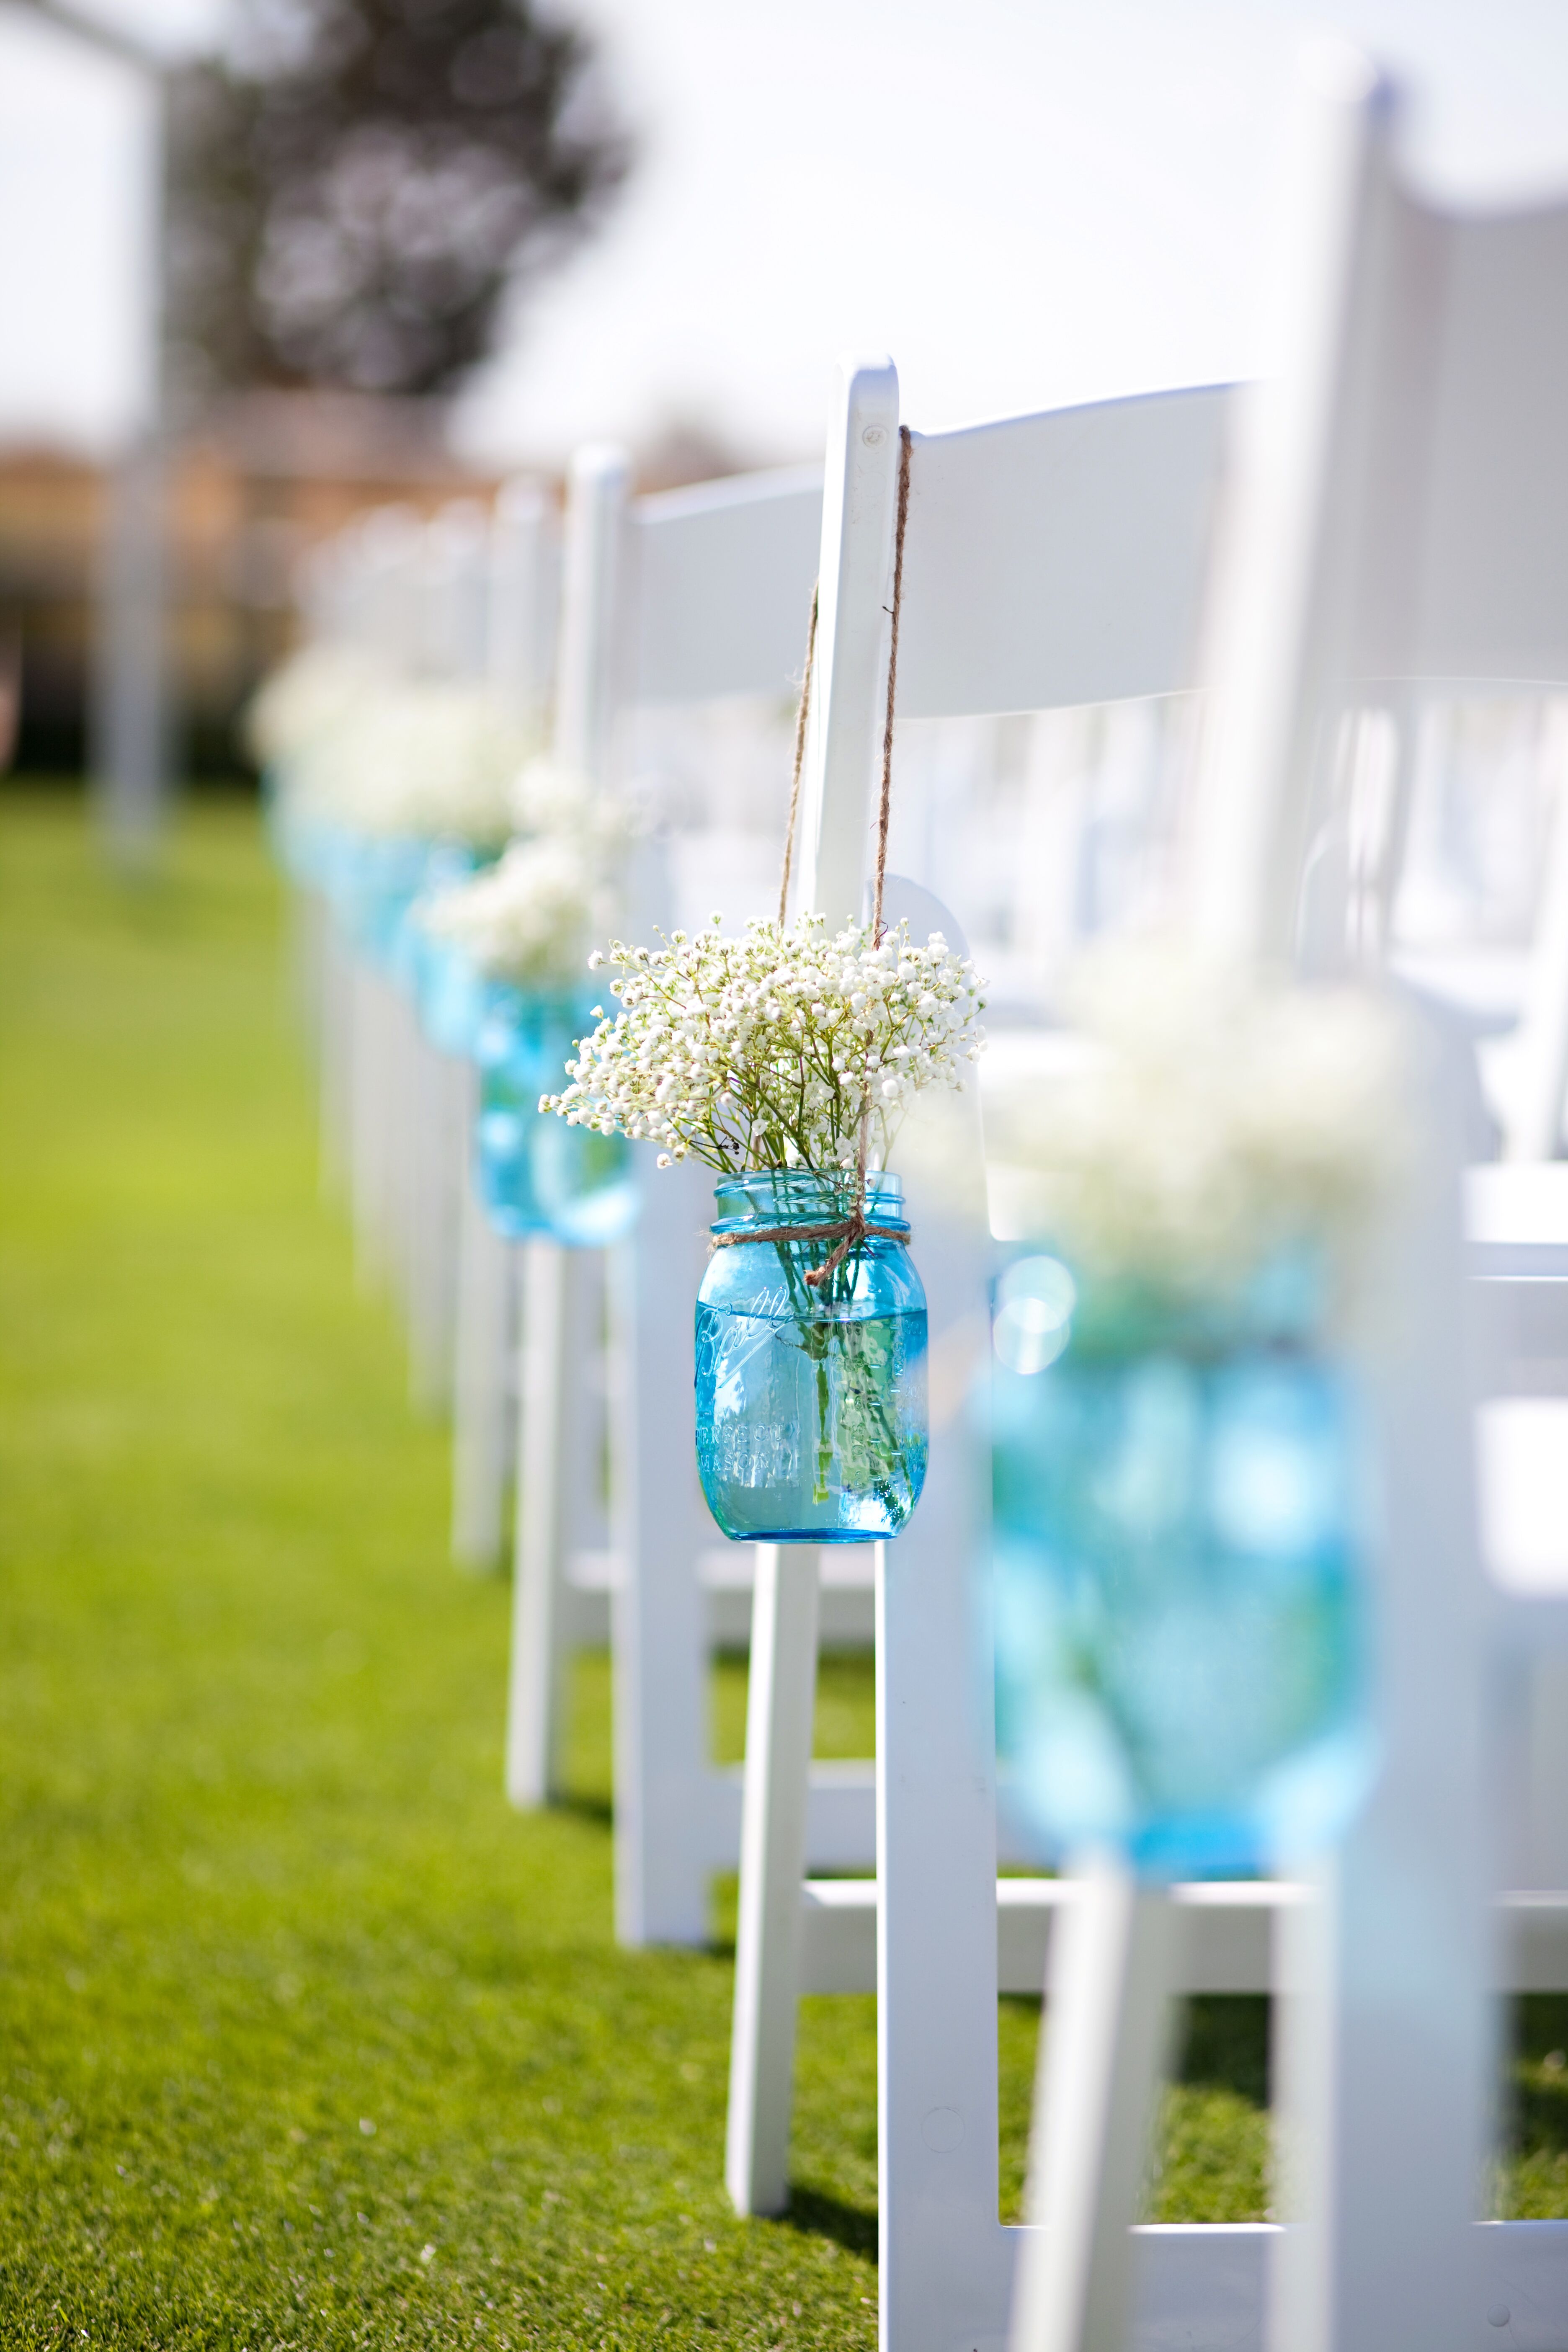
(1179,1593)
(377,878)
(811,1399)
(450,994)
(536,1175)
(448,988)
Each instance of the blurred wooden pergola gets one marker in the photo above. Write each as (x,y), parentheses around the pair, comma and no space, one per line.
(130,739)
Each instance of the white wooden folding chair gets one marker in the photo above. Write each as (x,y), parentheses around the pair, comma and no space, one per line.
(520,569)
(1056,559)
(1400,505)
(454,583)
(688,598)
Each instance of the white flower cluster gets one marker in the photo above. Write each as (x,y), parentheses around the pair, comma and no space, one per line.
(1218,1119)
(765,1050)
(530,917)
(549,796)
(426,757)
(310,695)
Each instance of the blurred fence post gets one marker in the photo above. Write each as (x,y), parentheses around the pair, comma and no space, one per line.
(129,741)
(128,748)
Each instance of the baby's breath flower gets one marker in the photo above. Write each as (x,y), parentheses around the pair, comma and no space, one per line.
(529,918)
(1215,1120)
(767,1050)
(418,756)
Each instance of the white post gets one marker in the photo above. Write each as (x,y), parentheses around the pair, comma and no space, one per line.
(944,2262)
(1102,2053)
(591,583)
(554,1375)
(491,1278)
(523,590)
(1535,1124)
(859,499)
(436,1146)
(858,512)
(516,622)
(666,1840)
(533,1691)
(129,747)
(780,1705)
(1386,2038)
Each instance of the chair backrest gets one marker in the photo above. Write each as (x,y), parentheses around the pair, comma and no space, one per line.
(687,597)
(1399,510)
(522,594)
(1402,488)
(1050,560)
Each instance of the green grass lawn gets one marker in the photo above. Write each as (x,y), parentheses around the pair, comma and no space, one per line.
(308,2040)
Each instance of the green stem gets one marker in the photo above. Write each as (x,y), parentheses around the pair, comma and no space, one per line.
(824,1441)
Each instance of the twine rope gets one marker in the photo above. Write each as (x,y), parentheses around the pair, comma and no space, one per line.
(803,711)
(852,1230)
(855,1225)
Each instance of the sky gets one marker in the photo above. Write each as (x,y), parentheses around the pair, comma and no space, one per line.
(1025,202)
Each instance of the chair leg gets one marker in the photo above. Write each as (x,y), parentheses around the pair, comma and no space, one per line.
(1102,2058)
(537,1648)
(335,1068)
(669,1839)
(367,1083)
(434,1147)
(779,1707)
(487,1284)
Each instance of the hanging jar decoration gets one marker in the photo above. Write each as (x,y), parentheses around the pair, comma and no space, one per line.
(438,974)
(382,784)
(518,933)
(534,1175)
(811,1376)
(784,1059)
(1181,1596)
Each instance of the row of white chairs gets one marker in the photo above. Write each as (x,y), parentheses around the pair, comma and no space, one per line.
(1062,560)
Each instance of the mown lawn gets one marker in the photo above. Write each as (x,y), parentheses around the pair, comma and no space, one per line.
(307,2039)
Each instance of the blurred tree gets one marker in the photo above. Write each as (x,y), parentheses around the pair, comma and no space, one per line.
(356,185)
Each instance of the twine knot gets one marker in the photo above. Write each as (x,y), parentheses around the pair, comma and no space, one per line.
(848,1233)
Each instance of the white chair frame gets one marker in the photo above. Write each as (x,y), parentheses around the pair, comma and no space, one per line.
(681,598)
(1092,524)
(1400,499)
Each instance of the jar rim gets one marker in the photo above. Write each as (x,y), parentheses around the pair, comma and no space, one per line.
(806,1196)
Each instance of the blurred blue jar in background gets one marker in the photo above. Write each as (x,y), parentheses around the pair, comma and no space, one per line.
(1180,1597)
(448,988)
(450,992)
(377,878)
(810,1398)
(536,1175)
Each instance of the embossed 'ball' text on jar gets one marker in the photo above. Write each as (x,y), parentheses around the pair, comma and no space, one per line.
(811,1396)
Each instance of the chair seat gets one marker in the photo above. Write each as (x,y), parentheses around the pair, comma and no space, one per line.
(1226,1946)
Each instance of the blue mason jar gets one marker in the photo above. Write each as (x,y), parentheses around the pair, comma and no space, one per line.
(450,994)
(811,1399)
(1180,1597)
(442,979)
(536,1175)
(378,877)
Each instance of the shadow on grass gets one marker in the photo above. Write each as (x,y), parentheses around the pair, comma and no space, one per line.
(816,2216)
(1536,2107)
(1224,2044)
(584,1808)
